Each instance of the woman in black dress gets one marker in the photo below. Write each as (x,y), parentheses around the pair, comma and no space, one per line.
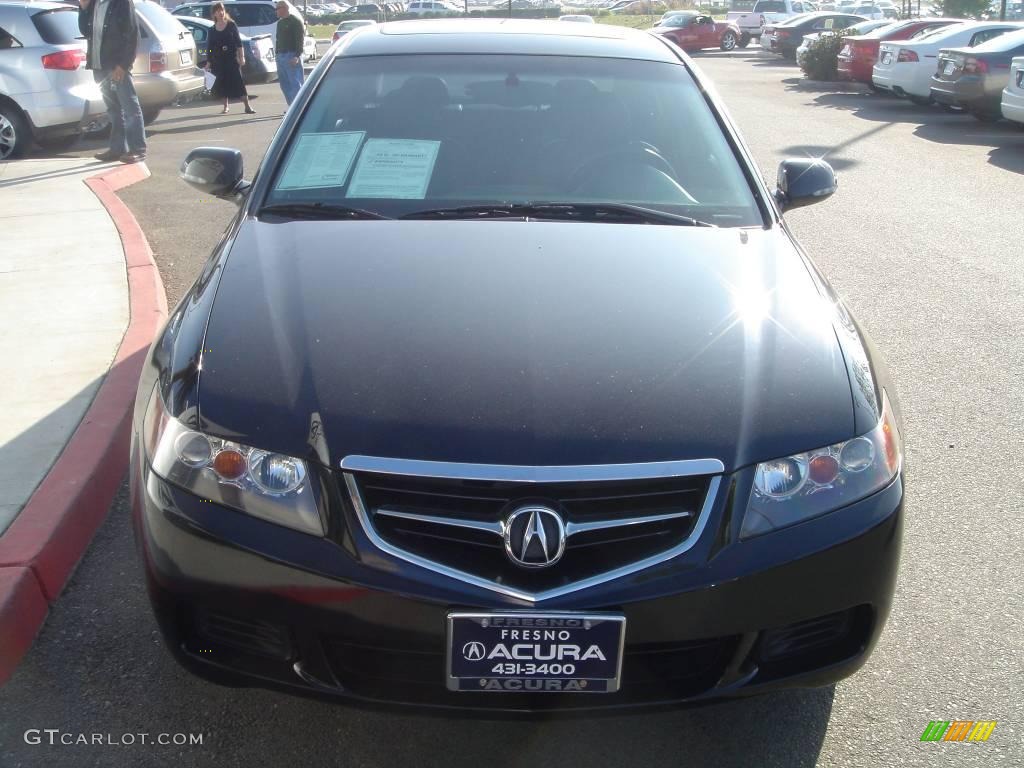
(226,59)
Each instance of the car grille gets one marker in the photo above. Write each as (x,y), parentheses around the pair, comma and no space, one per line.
(456,525)
(651,672)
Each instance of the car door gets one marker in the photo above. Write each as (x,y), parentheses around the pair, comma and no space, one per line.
(200,34)
(704,30)
(686,34)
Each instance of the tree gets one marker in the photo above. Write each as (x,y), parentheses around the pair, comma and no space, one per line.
(964,8)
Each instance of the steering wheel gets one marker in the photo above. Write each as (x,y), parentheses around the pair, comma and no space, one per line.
(634,152)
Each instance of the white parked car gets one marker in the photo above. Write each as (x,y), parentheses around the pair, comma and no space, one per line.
(347,26)
(768,12)
(1013,94)
(46,94)
(581,17)
(905,67)
(420,7)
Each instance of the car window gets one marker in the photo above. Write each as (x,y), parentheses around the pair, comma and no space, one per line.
(7,40)
(161,21)
(58,26)
(988,34)
(924,31)
(199,33)
(407,133)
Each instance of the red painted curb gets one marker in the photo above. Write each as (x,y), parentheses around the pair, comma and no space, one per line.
(22,611)
(54,529)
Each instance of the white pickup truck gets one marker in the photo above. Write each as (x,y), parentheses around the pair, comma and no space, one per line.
(767,12)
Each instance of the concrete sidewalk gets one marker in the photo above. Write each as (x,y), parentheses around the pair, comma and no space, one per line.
(80,301)
(63,312)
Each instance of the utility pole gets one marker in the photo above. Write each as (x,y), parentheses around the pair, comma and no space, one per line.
(1002,10)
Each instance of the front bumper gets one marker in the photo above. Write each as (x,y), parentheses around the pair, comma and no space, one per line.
(1013,105)
(235,607)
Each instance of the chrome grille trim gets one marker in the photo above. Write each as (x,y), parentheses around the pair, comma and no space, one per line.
(363,516)
(496,528)
(520,474)
(600,525)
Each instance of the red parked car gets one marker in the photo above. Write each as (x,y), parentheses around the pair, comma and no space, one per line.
(692,31)
(859,53)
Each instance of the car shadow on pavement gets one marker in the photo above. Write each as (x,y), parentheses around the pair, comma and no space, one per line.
(155,130)
(1006,140)
(883,109)
(772,61)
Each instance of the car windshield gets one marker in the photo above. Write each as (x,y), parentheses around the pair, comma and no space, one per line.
(393,135)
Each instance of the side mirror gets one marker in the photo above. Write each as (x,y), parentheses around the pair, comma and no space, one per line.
(803,182)
(216,171)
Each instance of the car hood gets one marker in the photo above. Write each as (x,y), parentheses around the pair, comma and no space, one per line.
(530,343)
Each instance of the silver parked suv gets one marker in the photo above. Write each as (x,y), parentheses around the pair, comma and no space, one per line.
(166,67)
(46,94)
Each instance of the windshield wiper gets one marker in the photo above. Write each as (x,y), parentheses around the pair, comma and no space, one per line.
(591,212)
(324,211)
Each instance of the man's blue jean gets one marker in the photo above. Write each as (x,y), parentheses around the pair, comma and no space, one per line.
(127,133)
(289,75)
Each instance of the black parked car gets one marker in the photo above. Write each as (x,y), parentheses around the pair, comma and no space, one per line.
(260,64)
(440,425)
(787,38)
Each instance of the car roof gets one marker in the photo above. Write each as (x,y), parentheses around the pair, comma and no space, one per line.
(35,5)
(507,36)
(195,20)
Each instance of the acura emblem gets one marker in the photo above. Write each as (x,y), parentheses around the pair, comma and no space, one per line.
(534,537)
(473,651)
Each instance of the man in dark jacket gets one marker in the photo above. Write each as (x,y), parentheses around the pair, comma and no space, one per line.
(112,39)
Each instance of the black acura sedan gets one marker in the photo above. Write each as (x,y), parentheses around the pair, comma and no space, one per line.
(508,389)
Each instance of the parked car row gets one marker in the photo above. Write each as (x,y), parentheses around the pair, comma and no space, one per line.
(260,63)
(972,66)
(787,36)
(253,17)
(46,94)
(861,28)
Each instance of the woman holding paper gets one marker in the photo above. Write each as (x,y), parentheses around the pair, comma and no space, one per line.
(227,56)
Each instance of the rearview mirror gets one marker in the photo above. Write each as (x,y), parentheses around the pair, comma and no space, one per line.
(803,182)
(216,171)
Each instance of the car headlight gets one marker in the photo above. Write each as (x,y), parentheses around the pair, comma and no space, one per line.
(796,488)
(270,486)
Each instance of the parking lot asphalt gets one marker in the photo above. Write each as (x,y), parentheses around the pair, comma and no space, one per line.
(922,240)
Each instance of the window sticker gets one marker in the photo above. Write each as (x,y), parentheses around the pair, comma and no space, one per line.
(321,160)
(394,168)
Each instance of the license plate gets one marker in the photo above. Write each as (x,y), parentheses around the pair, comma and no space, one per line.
(535,652)
(1020,78)
(948,68)
(887,57)
(186,57)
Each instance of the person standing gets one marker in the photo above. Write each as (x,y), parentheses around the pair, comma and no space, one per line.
(289,51)
(227,57)
(112,38)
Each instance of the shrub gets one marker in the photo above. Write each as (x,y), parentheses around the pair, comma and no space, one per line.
(822,58)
